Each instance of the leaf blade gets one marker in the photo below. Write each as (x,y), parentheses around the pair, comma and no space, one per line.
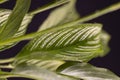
(2,78)
(86,71)
(15,19)
(4,14)
(47,46)
(38,73)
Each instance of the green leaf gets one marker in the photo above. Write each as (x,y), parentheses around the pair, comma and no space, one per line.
(61,15)
(86,71)
(4,14)
(2,1)
(51,65)
(105,38)
(4,75)
(0,75)
(80,43)
(31,71)
(37,69)
(14,21)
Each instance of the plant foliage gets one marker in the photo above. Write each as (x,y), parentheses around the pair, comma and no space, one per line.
(60,49)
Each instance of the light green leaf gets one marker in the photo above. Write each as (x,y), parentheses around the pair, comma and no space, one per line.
(79,43)
(51,65)
(2,1)
(0,75)
(14,21)
(4,14)
(61,15)
(31,71)
(4,75)
(105,38)
(86,71)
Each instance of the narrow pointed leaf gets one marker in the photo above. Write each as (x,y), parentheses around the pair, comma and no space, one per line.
(61,15)
(86,71)
(79,43)
(4,14)
(2,1)
(14,21)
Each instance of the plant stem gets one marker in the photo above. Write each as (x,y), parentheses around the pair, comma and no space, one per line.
(99,13)
(6,60)
(49,6)
(84,19)
(17,75)
(6,66)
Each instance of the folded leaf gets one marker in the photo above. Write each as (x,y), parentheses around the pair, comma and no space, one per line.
(4,14)
(61,15)
(2,1)
(86,71)
(14,21)
(79,43)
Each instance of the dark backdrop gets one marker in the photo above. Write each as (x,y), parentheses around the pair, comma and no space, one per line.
(110,21)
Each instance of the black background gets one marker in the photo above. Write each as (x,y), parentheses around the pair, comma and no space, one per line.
(110,21)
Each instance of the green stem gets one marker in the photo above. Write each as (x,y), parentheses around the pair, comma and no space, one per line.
(11,75)
(17,39)
(6,66)
(99,13)
(84,19)
(49,6)
(6,60)
(17,76)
